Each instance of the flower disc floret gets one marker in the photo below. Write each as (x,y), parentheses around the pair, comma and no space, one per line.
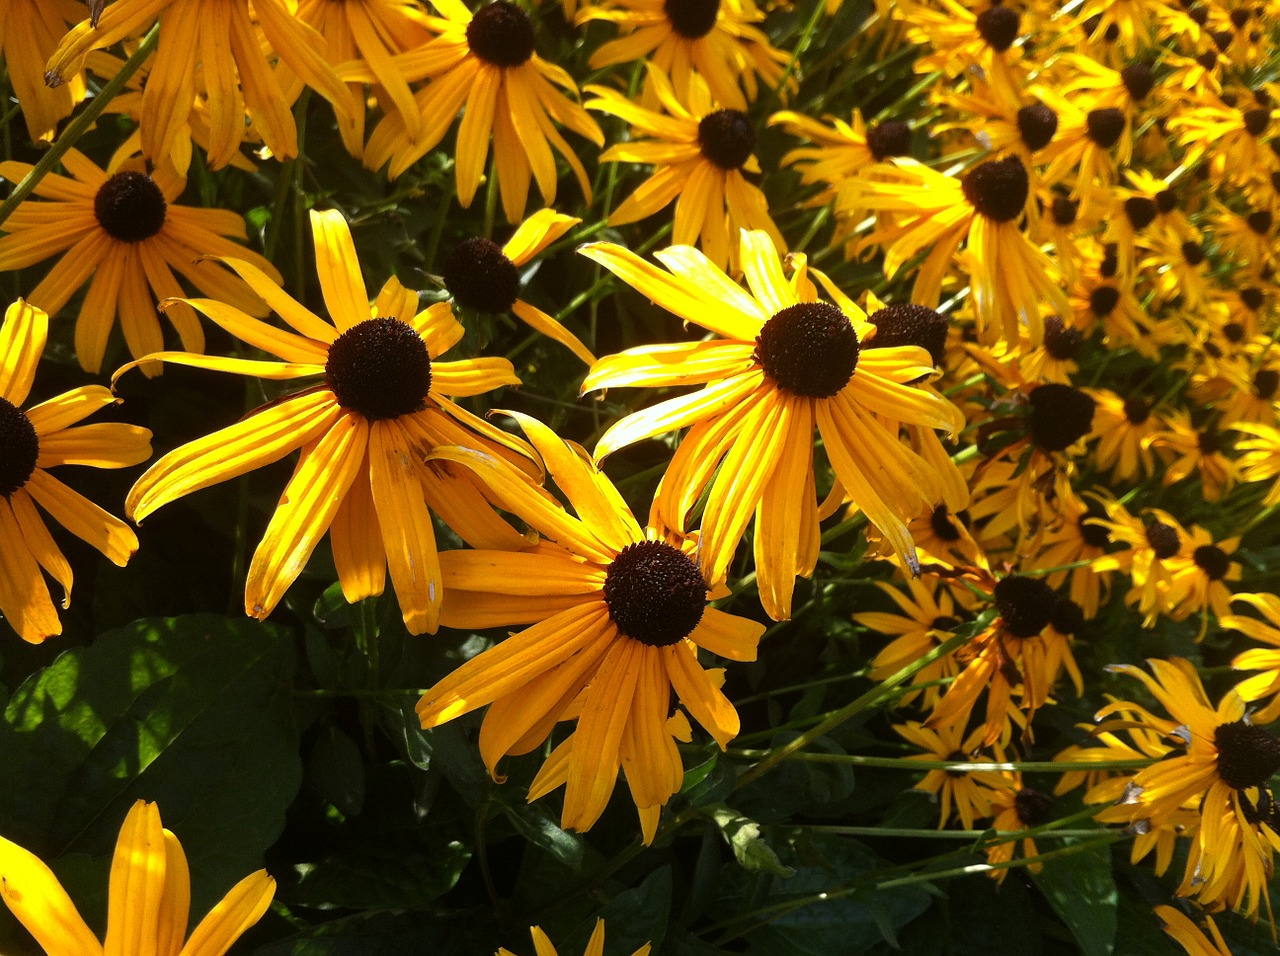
(501,34)
(726,138)
(1104,126)
(655,593)
(1257,121)
(1060,416)
(379,368)
(943,524)
(1166,201)
(1037,124)
(1163,539)
(1192,252)
(999,27)
(997,188)
(479,276)
(692,19)
(1248,756)
(1026,604)
(890,138)
(1252,298)
(1233,332)
(1141,211)
(905,323)
(1138,79)
(1260,221)
(1068,617)
(1265,382)
(1212,560)
(1064,210)
(1033,807)
(1103,300)
(130,207)
(19,448)
(1060,340)
(808,349)
(1136,410)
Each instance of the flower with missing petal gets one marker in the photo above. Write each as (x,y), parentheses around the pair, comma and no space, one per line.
(618,615)
(37,439)
(782,366)
(148,906)
(363,432)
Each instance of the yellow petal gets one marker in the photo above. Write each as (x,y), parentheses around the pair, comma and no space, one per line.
(727,635)
(83,518)
(41,544)
(34,895)
(171,924)
(238,910)
(518,572)
(539,321)
(69,408)
(22,339)
(137,884)
(338,268)
(356,538)
(680,363)
(104,445)
(700,696)
(306,509)
(536,233)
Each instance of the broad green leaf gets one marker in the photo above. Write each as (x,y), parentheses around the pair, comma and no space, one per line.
(1082,891)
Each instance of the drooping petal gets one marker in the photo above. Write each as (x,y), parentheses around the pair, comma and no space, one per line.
(22,339)
(83,518)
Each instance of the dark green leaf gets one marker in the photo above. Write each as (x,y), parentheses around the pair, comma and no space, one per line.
(1082,891)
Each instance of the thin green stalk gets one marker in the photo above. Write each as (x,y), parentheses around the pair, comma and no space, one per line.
(957,766)
(80,125)
(491,199)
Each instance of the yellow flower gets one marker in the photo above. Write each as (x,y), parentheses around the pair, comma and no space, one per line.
(1189,936)
(595,946)
(37,439)
(970,793)
(148,907)
(363,432)
(782,365)
(702,155)
(485,62)
(122,233)
(235,69)
(618,615)
(714,39)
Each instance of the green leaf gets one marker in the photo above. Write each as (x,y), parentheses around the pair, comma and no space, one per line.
(385,877)
(1080,888)
(336,770)
(749,847)
(193,713)
(537,826)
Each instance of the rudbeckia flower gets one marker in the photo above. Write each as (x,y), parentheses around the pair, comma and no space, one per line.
(479,274)
(1265,659)
(968,793)
(1190,448)
(983,42)
(149,904)
(1260,458)
(29,33)
(715,39)
(618,613)
(1017,808)
(1154,544)
(929,618)
(923,211)
(363,431)
(841,150)
(1123,427)
(235,69)
(485,62)
(122,233)
(595,945)
(702,155)
(783,364)
(1222,771)
(33,441)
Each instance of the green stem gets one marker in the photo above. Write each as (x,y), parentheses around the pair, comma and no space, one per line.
(959,766)
(80,125)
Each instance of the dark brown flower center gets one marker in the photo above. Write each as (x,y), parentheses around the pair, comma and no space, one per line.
(1064,209)
(1138,79)
(1163,539)
(501,34)
(905,323)
(1166,201)
(379,368)
(997,188)
(943,525)
(1141,211)
(1259,222)
(1060,416)
(1094,534)
(808,349)
(1103,300)
(1110,263)
(130,207)
(1221,38)
(726,138)
(1265,382)
(1256,121)
(655,593)
(1208,441)
(890,138)
(1239,18)
(1136,410)
(1233,332)
(1105,126)
(1025,604)
(1032,807)
(1068,617)
(479,276)
(692,19)
(999,27)
(1192,252)
(1252,298)
(1036,125)
(1212,560)
(1060,340)
(19,449)
(1248,756)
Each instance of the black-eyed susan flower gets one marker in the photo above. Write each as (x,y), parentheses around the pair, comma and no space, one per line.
(363,432)
(929,617)
(148,905)
(45,436)
(1260,457)
(782,365)
(235,70)
(718,40)
(481,275)
(1123,427)
(926,212)
(29,33)
(1017,808)
(1153,542)
(1075,535)
(1222,771)
(121,232)
(1189,448)
(595,945)
(982,41)
(701,155)
(618,614)
(486,62)
(965,795)
(1198,582)
(840,150)
(1230,138)
(1265,659)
